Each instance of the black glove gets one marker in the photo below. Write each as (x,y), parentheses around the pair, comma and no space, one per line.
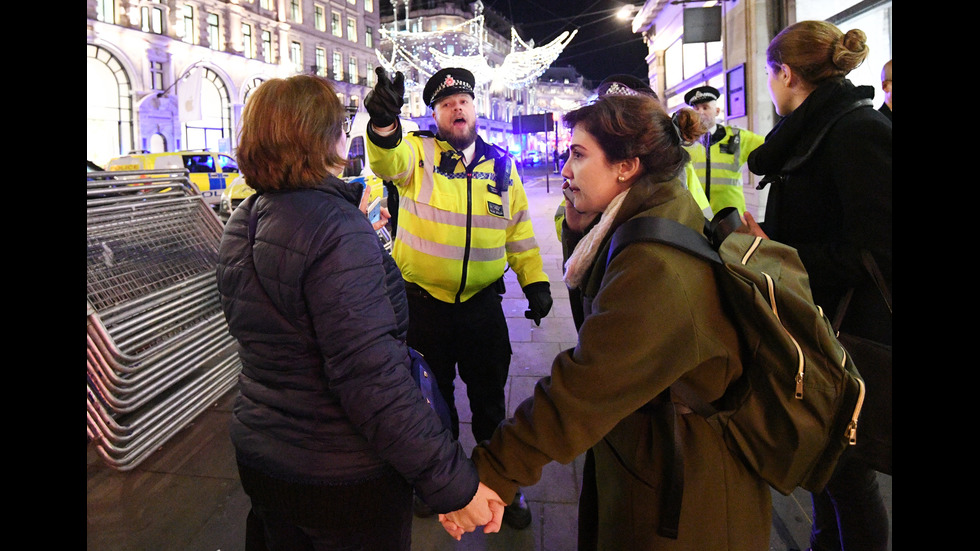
(384,103)
(538,301)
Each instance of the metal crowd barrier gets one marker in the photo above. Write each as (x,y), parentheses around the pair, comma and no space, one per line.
(159,352)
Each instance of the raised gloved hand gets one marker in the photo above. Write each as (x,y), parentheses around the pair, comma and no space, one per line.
(538,301)
(384,103)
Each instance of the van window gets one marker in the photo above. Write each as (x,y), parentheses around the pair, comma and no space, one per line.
(227,164)
(356,157)
(199,163)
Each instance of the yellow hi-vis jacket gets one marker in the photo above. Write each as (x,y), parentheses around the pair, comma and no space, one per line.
(720,167)
(458,227)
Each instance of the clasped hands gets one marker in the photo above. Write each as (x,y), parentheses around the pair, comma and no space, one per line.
(485,509)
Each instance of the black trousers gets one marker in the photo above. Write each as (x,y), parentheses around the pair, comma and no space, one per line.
(850,514)
(472,336)
(374,515)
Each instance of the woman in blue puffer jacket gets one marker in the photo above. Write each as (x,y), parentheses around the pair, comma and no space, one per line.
(331,434)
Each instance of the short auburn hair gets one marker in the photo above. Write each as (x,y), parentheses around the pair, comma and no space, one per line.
(289,132)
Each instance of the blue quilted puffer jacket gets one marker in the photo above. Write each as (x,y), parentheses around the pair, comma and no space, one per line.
(319,311)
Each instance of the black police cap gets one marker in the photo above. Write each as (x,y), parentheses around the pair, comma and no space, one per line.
(701,94)
(446,82)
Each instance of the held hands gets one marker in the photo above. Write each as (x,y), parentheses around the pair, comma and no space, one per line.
(384,103)
(485,509)
(538,301)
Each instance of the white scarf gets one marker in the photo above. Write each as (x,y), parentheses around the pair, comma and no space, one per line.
(581,259)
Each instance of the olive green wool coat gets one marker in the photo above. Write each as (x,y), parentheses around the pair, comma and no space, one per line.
(655,316)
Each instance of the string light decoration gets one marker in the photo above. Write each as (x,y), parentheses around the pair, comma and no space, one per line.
(423,53)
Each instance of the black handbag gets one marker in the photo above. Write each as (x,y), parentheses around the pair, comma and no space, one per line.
(874,363)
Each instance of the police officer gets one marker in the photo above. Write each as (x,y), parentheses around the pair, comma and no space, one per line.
(718,159)
(462,219)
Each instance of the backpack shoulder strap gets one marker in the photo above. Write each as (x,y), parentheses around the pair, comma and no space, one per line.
(668,232)
(661,230)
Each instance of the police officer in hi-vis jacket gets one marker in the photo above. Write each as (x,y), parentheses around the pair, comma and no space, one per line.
(719,157)
(462,220)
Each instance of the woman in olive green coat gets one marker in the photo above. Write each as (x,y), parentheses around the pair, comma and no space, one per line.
(653,316)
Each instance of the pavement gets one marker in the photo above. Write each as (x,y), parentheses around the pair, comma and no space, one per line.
(186,496)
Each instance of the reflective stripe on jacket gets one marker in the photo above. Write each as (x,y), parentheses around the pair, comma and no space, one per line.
(458,228)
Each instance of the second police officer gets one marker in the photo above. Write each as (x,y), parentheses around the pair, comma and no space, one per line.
(719,157)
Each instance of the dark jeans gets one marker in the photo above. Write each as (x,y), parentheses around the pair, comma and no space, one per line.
(850,514)
(375,515)
(472,336)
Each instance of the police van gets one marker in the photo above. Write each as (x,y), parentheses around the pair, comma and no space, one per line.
(210,172)
(358,167)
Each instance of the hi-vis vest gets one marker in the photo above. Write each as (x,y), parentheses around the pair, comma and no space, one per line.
(720,167)
(458,227)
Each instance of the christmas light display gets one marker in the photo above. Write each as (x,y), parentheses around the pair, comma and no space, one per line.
(420,54)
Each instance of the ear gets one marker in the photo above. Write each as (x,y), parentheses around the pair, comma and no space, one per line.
(629,169)
(787,76)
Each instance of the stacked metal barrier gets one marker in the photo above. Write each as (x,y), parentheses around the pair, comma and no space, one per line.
(159,351)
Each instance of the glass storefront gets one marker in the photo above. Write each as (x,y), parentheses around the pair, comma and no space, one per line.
(872,17)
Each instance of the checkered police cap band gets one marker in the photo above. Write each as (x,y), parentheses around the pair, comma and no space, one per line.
(456,85)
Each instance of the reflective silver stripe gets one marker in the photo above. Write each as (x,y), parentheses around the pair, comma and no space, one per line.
(486,255)
(431,248)
(433,214)
(522,216)
(427,185)
(723,181)
(717,165)
(403,174)
(522,245)
(451,252)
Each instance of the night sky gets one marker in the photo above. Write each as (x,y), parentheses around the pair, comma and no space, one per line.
(604,44)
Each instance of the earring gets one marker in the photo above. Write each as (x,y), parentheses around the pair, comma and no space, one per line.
(621,179)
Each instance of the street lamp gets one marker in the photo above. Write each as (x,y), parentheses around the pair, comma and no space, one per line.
(625,12)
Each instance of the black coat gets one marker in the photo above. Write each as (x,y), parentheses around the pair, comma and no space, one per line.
(319,312)
(837,202)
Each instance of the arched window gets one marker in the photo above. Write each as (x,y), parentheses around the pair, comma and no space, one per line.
(213,131)
(250,87)
(110,107)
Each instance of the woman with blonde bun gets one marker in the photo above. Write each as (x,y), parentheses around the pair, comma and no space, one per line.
(829,162)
